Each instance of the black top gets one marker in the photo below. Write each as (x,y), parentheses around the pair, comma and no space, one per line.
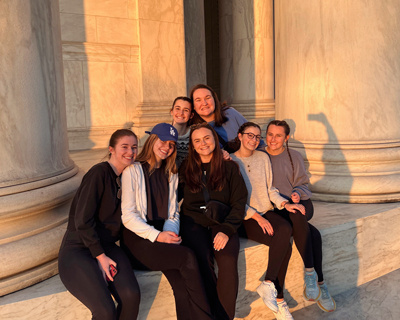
(234,194)
(157,188)
(95,214)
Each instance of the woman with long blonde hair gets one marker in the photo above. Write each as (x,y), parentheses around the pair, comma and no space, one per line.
(151,219)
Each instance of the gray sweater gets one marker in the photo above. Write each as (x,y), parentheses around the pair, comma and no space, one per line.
(257,174)
(284,179)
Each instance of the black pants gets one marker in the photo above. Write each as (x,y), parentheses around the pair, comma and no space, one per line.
(180,267)
(81,275)
(306,237)
(280,248)
(221,292)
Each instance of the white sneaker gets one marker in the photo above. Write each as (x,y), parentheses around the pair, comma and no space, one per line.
(326,302)
(311,290)
(283,313)
(268,293)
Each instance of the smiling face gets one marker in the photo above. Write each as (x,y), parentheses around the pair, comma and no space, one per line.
(250,139)
(181,112)
(163,149)
(204,104)
(203,143)
(276,138)
(124,153)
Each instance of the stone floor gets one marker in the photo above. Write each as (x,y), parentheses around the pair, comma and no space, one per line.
(376,300)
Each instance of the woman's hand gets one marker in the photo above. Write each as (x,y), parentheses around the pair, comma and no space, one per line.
(169,237)
(104,265)
(263,223)
(220,241)
(295,197)
(225,155)
(295,207)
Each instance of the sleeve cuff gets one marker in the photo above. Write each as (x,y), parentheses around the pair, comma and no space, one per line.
(225,229)
(96,250)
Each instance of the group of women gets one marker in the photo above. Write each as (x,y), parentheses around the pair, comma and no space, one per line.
(259,191)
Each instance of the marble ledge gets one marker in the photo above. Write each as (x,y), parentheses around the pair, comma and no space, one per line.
(100,52)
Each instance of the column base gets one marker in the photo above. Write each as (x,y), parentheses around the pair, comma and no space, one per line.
(351,172)
(33,223)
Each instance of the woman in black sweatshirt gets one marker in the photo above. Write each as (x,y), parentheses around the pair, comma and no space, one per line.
(88,253)
(205,168)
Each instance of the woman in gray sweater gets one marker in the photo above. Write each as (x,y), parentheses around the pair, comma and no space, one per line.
(261,223)
(290,178)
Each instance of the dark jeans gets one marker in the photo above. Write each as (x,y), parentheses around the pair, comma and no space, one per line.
(179,265)
(221,292)
(306,237)
(280,248)
(81,275)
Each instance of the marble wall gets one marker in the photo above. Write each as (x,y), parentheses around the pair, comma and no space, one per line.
(123,62)
(195,52)
(338,84)
(247,57)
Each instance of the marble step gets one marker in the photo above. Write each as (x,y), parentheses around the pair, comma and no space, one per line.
(377,299)
(360,244)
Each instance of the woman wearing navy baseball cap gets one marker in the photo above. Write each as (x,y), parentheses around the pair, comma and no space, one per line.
(150,214)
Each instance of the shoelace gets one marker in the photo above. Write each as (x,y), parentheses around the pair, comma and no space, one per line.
(310,281)
(272,290)
(285,308)
(325,292)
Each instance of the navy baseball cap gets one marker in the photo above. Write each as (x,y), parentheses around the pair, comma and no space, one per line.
(165,132)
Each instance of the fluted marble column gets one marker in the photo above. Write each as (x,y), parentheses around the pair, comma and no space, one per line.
(247,56)
(37,177)
(161,61)
(338,82)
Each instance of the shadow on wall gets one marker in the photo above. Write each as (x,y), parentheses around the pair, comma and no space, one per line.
(74,35)
(326,163)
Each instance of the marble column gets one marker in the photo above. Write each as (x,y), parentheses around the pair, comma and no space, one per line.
(37,177)
(338,83)
(195,43)
(161,61)
(247,57)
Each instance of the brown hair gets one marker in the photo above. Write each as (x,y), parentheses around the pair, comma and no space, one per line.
(183,98)
(147,155)
(118,135)
(219,111)
(235,144)
(194,172)
(283,123)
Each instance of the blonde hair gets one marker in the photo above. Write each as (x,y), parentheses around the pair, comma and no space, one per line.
(147,155)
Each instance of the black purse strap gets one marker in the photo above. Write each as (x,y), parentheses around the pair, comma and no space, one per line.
(206,195)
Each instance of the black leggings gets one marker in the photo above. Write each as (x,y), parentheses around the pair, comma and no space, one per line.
(280,248)
(221,293)
(180,267)
(81,275)
(306,237)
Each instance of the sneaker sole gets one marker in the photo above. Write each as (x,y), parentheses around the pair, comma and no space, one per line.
(307,298)
(324,309)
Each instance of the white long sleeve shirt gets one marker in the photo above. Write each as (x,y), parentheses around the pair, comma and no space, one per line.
(134,204)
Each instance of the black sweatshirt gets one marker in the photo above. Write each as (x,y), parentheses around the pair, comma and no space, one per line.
(95,214)
(233,194)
